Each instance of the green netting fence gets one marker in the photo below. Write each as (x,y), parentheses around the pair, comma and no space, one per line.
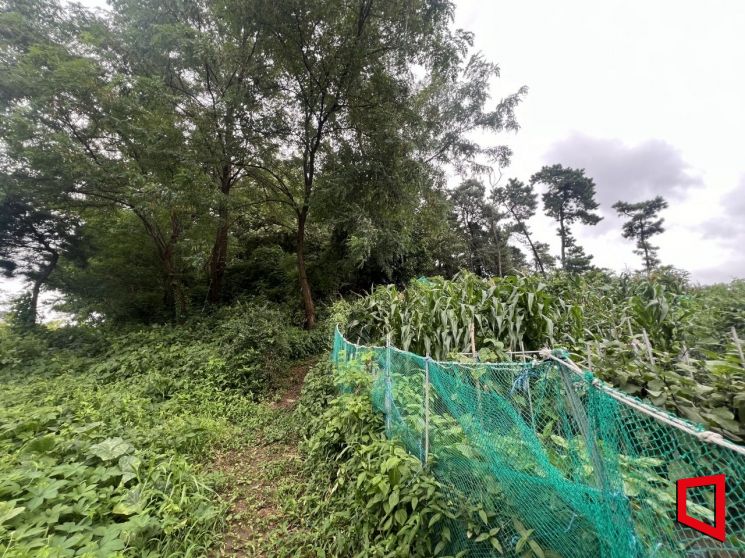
(591,470)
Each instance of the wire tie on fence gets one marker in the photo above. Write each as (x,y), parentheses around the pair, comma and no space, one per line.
(523,379)
(571,522)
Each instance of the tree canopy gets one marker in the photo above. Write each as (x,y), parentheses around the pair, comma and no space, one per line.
(569,199)
(177,156)
(644,222)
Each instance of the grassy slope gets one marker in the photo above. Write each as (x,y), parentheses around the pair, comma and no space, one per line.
(147,443)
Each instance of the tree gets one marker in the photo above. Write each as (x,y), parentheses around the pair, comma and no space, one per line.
(542,258)
(210,57)
(520,201)
(484,226)
(346,69)
(577,261)
(470,215)
(80,122)
(206,123)
(570,198)
(32,241)
(644,222)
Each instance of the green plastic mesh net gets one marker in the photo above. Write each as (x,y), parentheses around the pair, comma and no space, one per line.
(589,475)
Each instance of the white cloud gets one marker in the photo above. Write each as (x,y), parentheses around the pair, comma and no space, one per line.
(646,95)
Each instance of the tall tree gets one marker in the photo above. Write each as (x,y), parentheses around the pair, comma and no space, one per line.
(486,229)
(93,131)
(210,57)
(471,216)
(341,62)
(520,202)
(569,199)
(644,222)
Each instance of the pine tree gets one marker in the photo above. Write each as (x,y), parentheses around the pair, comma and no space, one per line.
(644,222)
(570,198)
(519,201)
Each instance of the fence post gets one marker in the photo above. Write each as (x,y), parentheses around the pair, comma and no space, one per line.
(426,410)
(477,372)
(388,394)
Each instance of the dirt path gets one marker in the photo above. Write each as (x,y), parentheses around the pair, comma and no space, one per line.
(258,474)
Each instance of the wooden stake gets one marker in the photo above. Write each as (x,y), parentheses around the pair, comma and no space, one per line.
(649,346)
(388,386)
(738,345)
(475,355)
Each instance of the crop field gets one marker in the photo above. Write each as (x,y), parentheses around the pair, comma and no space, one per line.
(675,346)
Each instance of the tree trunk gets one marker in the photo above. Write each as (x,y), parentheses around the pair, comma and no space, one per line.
(563,235)
(310,309)
(165,247)
(36,289)
(219,256)
(33,306)
(645,248)
(498,241)
(530,241)
(175,290)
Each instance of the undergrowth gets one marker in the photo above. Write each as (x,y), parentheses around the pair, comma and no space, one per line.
(364,495)
(105,434)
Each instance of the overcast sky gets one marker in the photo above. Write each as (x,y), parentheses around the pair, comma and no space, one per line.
(648,97)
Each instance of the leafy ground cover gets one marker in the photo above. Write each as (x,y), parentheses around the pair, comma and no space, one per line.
(358,493)
(194,440)
(133,443)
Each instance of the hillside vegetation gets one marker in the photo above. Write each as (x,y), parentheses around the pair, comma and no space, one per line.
(106,435)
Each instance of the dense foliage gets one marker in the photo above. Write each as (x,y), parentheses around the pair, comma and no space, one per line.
(657,338)
(381,501)
(103,433)
(162,158)
(192,141)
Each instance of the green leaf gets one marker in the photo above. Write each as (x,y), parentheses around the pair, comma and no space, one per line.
(8,511)
(393,499)
(42,444)
(111,448)
(484,517)
(482,537)
(129,464)
(535,547)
